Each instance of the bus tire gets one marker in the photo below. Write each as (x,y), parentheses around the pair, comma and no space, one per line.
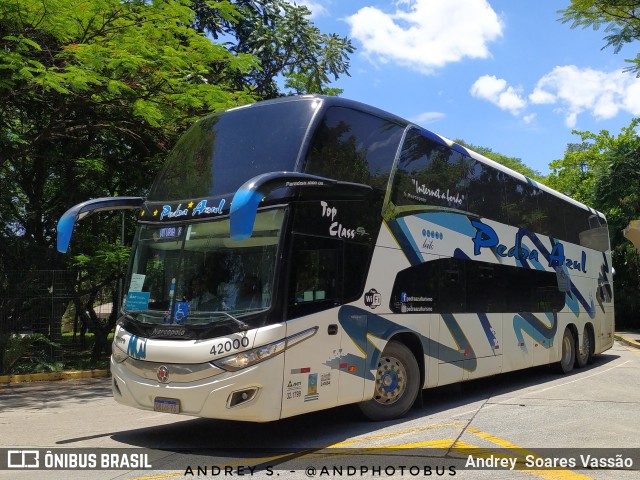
(397,384)
(584,355)
(568,357)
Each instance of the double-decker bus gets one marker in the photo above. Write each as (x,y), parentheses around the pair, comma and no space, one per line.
(307,252)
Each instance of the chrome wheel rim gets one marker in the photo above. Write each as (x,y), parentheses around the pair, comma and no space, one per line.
(391,380)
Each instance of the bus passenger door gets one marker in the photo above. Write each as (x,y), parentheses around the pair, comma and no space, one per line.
(311,368)
(315,293)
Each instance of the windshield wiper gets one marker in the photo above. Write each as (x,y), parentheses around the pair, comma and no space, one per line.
(243,326)
(129,314)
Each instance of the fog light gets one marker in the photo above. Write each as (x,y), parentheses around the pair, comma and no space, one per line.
(241,396)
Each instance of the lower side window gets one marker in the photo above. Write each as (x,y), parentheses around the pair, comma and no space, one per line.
(454,285)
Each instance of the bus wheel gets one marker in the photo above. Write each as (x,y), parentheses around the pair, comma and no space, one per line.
(584,355)
(568,352)
(397,384)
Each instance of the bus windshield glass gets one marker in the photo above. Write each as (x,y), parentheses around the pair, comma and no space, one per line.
(194,274)
(220,152)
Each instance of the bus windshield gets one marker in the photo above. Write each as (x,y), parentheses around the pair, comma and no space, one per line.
(194,274)
(220,152)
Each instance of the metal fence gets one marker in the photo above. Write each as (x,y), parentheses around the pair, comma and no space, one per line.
(41,302)
(35,301)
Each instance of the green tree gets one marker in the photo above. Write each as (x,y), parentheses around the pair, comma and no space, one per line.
(92,94)
(575,174)
(620,18)
(617,193)
(290,49)
(603,171)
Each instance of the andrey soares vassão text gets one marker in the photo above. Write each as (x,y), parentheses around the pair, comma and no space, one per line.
(535,461)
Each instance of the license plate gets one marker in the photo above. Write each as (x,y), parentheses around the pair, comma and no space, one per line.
(166,405)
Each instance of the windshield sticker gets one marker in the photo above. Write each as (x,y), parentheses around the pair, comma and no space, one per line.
(137,301)
(170,232)
(137,280)
(180,312)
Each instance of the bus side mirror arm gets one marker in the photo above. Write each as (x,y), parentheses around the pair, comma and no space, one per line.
(84,209)
(246,200)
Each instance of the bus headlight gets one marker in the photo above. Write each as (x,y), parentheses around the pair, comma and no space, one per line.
(250,357)
(259,354)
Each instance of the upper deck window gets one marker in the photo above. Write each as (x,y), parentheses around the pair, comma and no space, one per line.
(354,146)
(432,175)
(220,152)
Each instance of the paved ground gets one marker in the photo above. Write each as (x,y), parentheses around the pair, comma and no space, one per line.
(629,337)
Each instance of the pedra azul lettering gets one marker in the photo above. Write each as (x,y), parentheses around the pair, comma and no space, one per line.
(486,237)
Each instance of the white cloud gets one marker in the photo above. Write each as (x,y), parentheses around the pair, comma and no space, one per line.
(576,90)
(427,118)
(571,90)
(496,91)
(426,34)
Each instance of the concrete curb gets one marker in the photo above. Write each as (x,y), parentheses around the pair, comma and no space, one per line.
(39,377)
(626,341)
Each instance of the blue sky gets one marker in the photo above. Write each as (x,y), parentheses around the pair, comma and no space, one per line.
(502,74)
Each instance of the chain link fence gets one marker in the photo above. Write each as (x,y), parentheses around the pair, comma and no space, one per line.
(41,302)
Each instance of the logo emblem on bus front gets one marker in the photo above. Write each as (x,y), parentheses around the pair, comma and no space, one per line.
(163,374)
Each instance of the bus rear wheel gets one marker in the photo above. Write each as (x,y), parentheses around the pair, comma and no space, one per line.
(568,357)
(397,384)
(584,355)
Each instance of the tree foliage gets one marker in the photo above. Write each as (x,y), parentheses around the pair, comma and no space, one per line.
(93,93)
(603,171)
(620,19)
(289,48)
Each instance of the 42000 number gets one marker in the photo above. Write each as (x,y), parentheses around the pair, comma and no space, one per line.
(229,345)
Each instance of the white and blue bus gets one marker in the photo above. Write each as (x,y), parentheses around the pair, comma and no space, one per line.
(307,252)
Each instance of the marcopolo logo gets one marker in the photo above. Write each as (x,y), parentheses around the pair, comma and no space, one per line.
(372,299)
